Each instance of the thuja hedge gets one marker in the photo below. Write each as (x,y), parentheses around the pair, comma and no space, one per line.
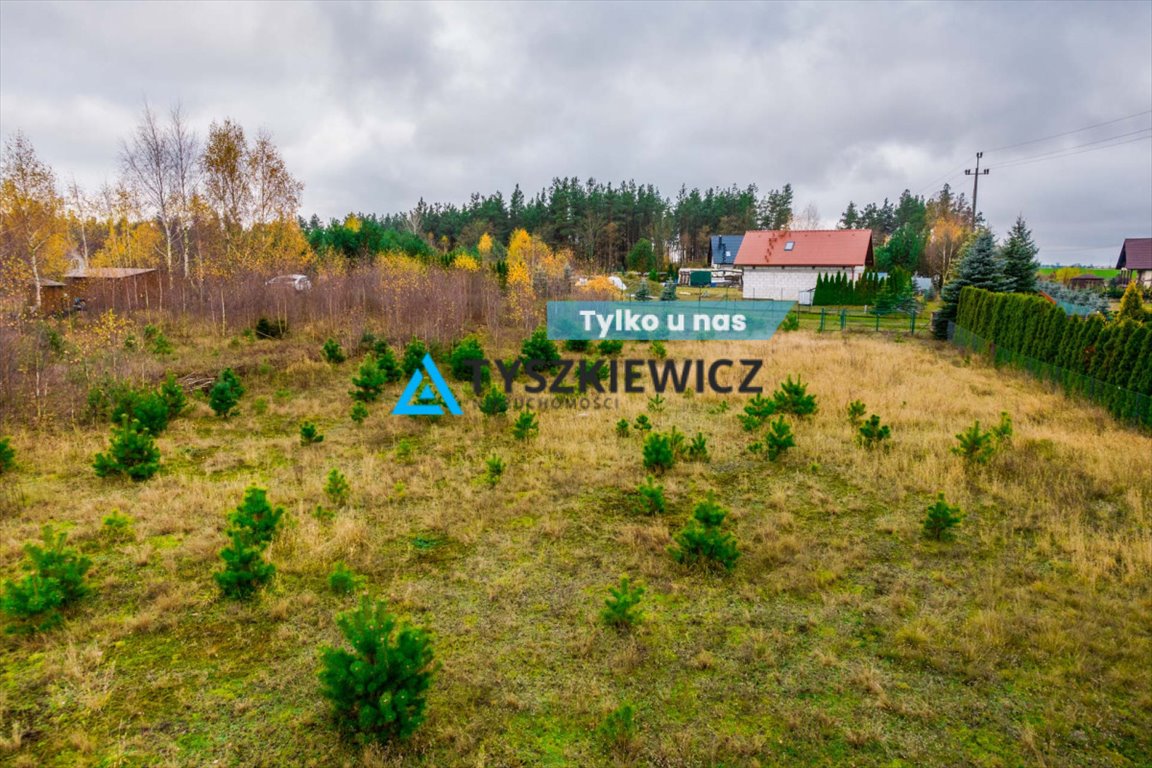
(838,289)
(1111,362)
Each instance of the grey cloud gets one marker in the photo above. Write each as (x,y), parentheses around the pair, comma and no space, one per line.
(378,105)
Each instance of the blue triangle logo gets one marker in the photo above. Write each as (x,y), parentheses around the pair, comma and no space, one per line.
(429,383)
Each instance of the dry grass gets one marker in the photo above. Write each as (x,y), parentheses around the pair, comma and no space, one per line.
(842,636)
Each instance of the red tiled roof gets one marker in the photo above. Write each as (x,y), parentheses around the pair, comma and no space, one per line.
(810,248)
(1136,253)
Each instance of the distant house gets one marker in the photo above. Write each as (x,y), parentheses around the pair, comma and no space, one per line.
(123,287)
(1135,260)
(1086,281)
(784,265)
(724,249)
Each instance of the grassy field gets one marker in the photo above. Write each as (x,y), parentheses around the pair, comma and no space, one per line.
(843,637)
(1103,272)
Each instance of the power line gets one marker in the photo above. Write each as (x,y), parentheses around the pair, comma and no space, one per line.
(1079,150)
(1069,133)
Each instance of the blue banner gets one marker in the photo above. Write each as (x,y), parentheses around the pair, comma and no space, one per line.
(665,320)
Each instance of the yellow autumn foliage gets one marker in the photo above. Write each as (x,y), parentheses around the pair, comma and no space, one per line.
(466,263)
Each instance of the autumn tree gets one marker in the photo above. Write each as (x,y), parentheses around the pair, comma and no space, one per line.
(33,230)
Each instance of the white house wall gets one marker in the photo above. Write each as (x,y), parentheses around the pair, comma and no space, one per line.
(788,283)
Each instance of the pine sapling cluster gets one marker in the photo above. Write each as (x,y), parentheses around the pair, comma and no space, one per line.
(656,403)
(620,607)
(251,528)
(977,446)
(493,470)
(369,381)
(343,580)
(642,424)
(619,731)
(359,412)
(379,687)
(697,449)
(337,488)
(413,356)
(622,428)
(464,361)
(704,542)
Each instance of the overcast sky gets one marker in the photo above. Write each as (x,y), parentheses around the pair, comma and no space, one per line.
(375,106)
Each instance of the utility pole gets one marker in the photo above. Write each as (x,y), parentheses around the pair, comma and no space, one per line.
(975,174)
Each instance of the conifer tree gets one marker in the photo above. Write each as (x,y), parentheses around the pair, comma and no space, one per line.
(980,268)
(1019,254)
(1131,304)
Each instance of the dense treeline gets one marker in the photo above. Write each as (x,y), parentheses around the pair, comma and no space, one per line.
(599,224)
(1089,351)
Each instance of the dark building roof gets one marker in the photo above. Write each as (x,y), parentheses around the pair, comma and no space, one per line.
(806,248)
(725,248)
(1136,253)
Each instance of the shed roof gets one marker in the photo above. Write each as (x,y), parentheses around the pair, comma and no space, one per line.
(47,283)
(1087,277)
(1136,253)
(806,248)
(106,273)
(725,248)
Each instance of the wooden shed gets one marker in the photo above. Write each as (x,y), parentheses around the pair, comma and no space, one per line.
(53,297)
(118,287)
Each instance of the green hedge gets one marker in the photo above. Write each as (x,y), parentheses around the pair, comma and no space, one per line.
(1109,362)
(839,290)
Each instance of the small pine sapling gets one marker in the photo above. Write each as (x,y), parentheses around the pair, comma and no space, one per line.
(658,350)
(466,359)
(131,452)
(622,428)
(55,579)
(642,424)
(856,411)
(619,731)
(413,356)
(620,607)
(7,455)
(337,488)
(310,434)
(776,441)
(386,362)
(703,542)
(333,352)
(651,497)
(494,402)
(173,396)
(225,393)
(941,519)
(792,397)
(656,403)
(378,688)
(791,322)
(525,426)
(756,412)
(359,412)
(493,470)
(540,350)
(1002,432)
(251,528)
(697,449)
(658,453)
(369,381)
(343,580)
(576,345)
(872,434)
(974,445)
(118,527)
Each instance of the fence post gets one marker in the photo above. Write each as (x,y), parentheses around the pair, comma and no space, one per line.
(913,324)
(877,321)
(843,319)
(822,311)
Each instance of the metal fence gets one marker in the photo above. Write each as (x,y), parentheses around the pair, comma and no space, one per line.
(1123,403)
(826,319)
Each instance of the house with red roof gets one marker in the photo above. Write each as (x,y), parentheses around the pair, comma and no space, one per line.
(784,264)
(1135,262)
